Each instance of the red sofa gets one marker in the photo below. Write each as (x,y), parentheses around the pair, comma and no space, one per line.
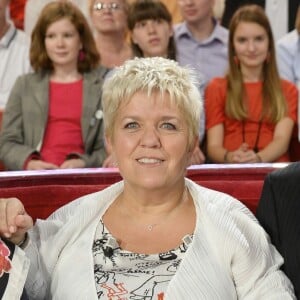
(44,191)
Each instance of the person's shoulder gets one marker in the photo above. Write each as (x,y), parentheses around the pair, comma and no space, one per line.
(222,33)
(214,201)
(289,39)
(180,29)
(98,72)
(94,201)
(218,82)
(31,79)
(284,174)
(287,84)
(22,38)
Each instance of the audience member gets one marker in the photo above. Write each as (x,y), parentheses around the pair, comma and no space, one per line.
(288,53)
(125,240)
(53,118)
(14,53)
(278,212)
(288,59)
(282,14)
(34,7)
(251,112)
(201,42)
(109,21)
(14,266)
(151,28)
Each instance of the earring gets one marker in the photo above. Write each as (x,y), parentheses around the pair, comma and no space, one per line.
(268,58)
(81,55)
(236,60)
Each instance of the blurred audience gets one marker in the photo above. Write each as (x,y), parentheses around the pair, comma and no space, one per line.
(34,7)
(53,118)
(250,112)
(14,53)
(201,42)
(109,20)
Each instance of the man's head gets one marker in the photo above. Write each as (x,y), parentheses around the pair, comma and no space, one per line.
(195,11)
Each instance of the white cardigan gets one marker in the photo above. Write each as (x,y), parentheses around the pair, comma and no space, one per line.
(230,256)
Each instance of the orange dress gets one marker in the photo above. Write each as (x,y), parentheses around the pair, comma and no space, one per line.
(250,131)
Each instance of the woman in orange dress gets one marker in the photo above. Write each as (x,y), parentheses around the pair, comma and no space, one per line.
(251,111)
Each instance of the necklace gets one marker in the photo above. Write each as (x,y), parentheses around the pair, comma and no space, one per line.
(255,147)
(151,226)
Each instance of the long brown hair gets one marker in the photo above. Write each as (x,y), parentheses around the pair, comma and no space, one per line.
(51,13)
(274,104)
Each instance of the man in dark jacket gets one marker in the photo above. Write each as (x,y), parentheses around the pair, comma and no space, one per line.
(279,213)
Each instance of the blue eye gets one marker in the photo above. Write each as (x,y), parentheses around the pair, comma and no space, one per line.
(131,125)
(168,126)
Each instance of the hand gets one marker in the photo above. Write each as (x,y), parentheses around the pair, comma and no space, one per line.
(14,221)
(73,163)
(243,155)
(197,157)
(36,164)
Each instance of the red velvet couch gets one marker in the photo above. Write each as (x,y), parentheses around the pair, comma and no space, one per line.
(44,191)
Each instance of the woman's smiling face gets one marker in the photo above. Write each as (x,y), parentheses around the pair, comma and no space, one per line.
(150,141)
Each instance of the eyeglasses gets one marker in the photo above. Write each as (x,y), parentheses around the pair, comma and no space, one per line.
(111,6)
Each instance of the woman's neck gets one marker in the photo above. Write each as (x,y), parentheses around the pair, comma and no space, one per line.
(65,75)
(113,49)
(155,202)
(251,74)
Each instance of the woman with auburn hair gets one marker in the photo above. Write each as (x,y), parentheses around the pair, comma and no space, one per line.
(250,112)
(53,118)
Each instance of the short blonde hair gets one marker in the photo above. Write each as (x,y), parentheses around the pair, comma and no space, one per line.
(153,74)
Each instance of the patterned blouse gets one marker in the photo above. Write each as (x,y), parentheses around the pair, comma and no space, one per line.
(122,275)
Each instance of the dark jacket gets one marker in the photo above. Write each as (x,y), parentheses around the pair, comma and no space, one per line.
(279,213)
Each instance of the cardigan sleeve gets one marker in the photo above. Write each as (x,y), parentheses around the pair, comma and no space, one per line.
(44,248)
(255,262)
